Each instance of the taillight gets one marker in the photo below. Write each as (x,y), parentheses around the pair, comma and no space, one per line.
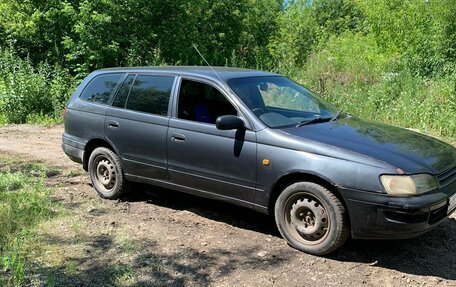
(64,112)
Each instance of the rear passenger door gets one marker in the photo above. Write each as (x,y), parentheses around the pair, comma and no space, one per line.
(137,123)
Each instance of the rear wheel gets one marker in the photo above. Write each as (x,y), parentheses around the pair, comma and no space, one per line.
(311,218)
(106,173)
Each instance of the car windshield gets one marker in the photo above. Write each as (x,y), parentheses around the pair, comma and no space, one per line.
(279,102)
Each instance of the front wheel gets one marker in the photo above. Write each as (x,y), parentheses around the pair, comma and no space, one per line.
(106,173)
(311,218)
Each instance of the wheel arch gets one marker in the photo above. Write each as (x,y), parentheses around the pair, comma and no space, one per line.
(294,177)
(91,146)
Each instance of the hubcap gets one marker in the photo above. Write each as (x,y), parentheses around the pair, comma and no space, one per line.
(105,175)
(307,219)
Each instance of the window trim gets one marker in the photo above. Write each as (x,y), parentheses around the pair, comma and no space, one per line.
(129,90)
(171,95)
(216,86)
(111,98)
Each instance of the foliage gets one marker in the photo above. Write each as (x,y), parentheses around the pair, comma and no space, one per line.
(294,39)
(26,91)
(391,60)
(85,35)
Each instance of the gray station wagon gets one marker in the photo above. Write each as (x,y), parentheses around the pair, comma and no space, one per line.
(259,140)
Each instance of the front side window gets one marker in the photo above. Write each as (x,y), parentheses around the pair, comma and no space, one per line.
(201,102)
(280,102)
(101,88)
(150,94)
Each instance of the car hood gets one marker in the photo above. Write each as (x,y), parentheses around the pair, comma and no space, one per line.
(410,151)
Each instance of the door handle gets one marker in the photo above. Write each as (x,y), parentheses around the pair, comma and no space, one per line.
(113,124)
(176,137)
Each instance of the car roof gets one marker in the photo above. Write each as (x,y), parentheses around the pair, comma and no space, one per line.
(225,73)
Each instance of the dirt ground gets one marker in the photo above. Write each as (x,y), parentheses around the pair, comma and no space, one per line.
(159,237)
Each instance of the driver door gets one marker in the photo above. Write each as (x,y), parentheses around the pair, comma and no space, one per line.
(204,158)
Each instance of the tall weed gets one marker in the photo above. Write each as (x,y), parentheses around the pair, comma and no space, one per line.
(26,90)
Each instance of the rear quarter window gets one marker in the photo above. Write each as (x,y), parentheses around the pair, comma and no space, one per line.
(101,88)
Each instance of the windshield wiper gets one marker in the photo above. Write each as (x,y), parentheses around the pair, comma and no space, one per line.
(313,121)
(337,116)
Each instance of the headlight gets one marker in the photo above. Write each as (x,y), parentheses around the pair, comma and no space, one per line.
(408,185)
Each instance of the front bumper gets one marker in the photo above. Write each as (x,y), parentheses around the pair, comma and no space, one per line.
(379,216)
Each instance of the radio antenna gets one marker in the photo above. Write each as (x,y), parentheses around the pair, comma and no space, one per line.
(207,63)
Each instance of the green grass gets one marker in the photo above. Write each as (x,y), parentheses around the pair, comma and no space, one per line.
(43,120)
(24,203)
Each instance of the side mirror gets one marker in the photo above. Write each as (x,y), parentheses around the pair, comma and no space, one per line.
(229,122)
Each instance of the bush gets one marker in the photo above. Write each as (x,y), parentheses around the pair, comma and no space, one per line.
(25,90)
(347,59)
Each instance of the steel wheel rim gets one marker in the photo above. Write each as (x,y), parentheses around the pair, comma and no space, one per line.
(306,218)
(104,173)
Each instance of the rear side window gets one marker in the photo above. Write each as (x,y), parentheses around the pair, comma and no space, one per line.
(150,94)
(101,88)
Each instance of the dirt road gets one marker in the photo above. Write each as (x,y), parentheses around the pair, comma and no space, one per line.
(160,237)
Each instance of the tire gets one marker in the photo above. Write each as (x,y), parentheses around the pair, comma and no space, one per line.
(311,218)
(106,173)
